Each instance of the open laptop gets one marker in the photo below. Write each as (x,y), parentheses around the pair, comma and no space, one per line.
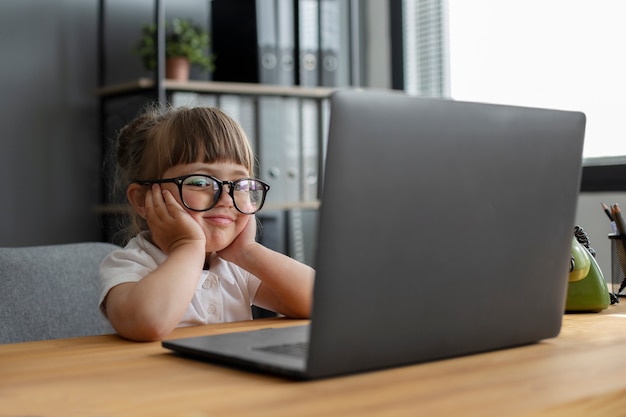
(444,229)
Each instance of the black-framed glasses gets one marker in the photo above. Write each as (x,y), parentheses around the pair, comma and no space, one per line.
(202,192)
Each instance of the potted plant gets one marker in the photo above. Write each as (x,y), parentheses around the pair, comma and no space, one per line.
(185,44)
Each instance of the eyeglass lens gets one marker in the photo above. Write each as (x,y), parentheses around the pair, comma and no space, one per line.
(201,193)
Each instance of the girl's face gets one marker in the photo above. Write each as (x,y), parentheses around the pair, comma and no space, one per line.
(222,223)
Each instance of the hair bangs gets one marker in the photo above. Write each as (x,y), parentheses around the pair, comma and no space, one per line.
(188,135)
(206,135)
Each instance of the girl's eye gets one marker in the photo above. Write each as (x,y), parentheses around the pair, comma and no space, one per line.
(200,182)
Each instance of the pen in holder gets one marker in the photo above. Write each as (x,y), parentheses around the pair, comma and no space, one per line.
(618,264)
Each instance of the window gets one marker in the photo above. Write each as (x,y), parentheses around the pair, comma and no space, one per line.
(565,54)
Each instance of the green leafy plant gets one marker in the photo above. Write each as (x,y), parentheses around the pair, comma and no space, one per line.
(182,39)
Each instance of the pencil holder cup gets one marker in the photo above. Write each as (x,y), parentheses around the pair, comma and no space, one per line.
(618,264)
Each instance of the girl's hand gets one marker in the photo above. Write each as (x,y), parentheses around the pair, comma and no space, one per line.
(242,242)
(170,225)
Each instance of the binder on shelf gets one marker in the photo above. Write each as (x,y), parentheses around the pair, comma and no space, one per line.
(302,235)
(310,137)
(308,42)
(330,42)
(270,167)
(286,42)
(278,150)
(291,149)
(267,40)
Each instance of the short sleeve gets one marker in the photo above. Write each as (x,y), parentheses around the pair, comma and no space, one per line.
(129,264)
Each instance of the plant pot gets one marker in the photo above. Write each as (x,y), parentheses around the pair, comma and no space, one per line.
(177,69)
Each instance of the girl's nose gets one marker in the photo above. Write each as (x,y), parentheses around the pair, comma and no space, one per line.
(225,198)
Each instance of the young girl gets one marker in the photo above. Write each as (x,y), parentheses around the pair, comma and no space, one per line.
(194,259)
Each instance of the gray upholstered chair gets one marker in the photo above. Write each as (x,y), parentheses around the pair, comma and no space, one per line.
(51,292)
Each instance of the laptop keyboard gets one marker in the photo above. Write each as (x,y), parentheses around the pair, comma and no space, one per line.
(298,350)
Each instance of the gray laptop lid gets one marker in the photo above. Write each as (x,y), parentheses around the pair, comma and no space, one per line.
(444,229)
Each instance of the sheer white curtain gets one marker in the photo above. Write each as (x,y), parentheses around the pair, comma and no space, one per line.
(425,47)
(566,54)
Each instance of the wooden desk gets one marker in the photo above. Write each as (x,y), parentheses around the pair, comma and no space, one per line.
(580,373)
